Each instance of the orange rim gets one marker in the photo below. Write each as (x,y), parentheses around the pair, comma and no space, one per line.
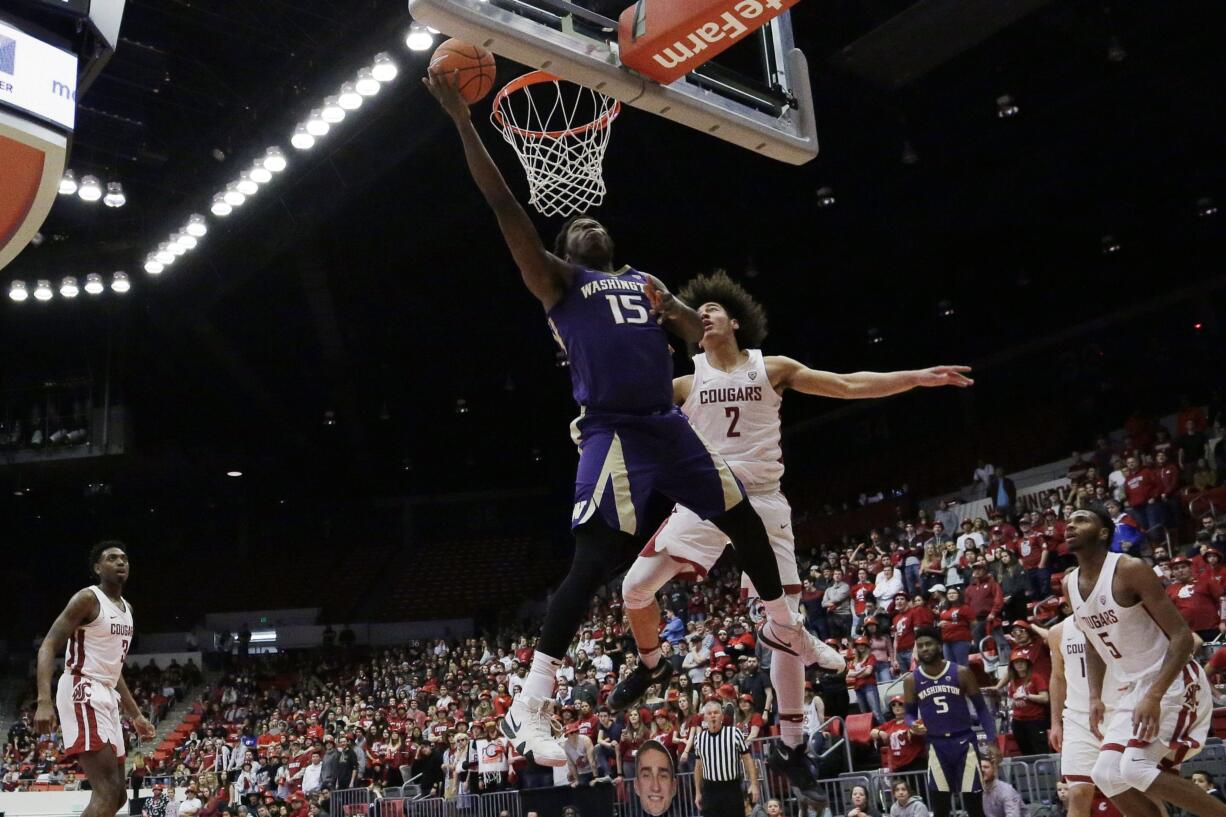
(538,78)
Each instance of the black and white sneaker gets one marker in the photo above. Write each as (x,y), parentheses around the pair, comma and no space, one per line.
(791,763)
(527,726)
(630,691)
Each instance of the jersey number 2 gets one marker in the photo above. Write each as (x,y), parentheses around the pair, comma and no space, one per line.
(733,413)
(627,309)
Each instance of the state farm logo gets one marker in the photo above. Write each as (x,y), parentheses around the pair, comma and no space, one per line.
(8,55)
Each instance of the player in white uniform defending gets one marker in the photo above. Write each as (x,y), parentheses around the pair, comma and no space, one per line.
(1070,715)
(1131,626)
(733,400)
(95,630)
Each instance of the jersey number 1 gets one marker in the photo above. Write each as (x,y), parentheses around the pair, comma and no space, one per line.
(626,309)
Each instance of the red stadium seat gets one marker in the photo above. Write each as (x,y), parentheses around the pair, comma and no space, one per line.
(1008,745)
(859,727)
(1218,726)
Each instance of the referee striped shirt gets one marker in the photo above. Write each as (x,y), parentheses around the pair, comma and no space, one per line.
(720,753)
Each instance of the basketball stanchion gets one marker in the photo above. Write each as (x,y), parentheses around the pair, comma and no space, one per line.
(560,132)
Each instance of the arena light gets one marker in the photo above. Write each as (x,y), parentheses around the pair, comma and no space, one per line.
(825,197)
(348,97)
(175,245)
(234,473)
(120,282)
(186,241)
(945,308)
(1205,208)
(68,183)
(17,291)
(1110,245)
(114,195)
(233,196)
(301,139)
(260,174)
(220,207)
(163,255)
(93,284)
(246,185)
(196,225)
(1006,107)
(69,288)
(383,68)
(315,124)
(90,189)
(154,266)
(274,159)
(332,112)
(419,38)
(42,290)
(366,84)
(875,337)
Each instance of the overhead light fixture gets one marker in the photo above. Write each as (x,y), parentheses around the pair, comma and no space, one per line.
(42,290)
(233,196)
(120,282)
(348,97)
(163,255)
(366,84)
(274,159)
(301,139)
(909,156)
(246,185)
(90,189)
(419,38)
(1205,207)
(93,284)
(114,195)
(1006,108)
(186,240)
(69,288)
(260,174)
(1115,50)
(68,183)
(196,225)
(315,124)
(1110,245)
(153,266)
(175,245)
(18,292)
(384,69)
(825,197)
(332,112)
(220,207)
(945,308)
(875,337)
(234,473)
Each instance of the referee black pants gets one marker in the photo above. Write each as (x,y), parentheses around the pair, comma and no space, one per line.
(722,799)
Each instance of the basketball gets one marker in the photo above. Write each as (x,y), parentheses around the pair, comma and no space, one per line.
(475,64)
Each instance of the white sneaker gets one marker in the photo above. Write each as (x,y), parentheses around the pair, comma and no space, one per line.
(796,640)
(527,726)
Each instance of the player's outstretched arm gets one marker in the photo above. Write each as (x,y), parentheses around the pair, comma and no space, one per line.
(82,609)
(792,374)
(672,313)
(545,275)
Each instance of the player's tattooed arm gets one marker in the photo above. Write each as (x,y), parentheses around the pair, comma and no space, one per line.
(786,373)
(82,609)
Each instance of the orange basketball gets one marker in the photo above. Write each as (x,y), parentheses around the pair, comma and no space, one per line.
(475,64)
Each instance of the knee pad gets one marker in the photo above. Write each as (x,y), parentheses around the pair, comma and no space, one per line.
(1138,769)
(1107,776)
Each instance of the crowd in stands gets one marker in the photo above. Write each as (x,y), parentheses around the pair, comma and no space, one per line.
(278,733)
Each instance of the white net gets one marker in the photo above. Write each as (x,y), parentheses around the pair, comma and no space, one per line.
(560,132)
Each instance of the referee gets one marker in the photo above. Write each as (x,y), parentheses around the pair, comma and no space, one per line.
(721,759)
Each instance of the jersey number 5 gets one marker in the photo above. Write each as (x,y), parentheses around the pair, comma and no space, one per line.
(1115,653)
(734,413)
(940,703)
(627,309)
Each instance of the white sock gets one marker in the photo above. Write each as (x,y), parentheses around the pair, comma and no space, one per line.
(788,679)
(780,612)
(543,676)
(651,657)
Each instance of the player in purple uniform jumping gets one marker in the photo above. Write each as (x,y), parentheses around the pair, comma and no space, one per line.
(940,691)
(634,443)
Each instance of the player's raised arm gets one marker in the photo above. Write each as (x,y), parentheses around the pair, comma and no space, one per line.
(81,610)
(792,374)
(545,275)
(672,313)
(1056,688)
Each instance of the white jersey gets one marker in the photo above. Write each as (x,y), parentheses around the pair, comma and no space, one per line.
(97,650)
(737,413)
(1077,684)
(1130,642)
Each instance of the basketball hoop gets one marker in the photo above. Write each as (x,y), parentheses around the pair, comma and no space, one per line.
(560,136)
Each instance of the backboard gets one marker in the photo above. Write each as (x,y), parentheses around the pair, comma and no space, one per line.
(756,95)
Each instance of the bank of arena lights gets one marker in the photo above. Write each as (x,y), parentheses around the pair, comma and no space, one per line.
(89,189)
(69,288)
(333,108)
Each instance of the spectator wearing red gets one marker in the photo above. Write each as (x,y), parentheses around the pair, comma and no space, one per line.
(1197,600)
(862,677)
(1169,478)
(902,750)
(1032,552)
(1029,707)
(1034,650)
(903,628)
(986,600)
(1209,563)
(748,720)
(955,626)
(861,592)
(1143,493)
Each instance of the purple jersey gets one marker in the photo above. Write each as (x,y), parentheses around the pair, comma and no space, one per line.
(619,356)
(942,705)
